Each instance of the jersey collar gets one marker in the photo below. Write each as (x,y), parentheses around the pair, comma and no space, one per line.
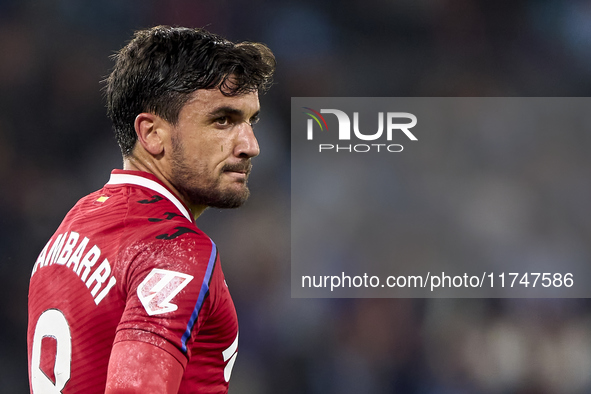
(139,178)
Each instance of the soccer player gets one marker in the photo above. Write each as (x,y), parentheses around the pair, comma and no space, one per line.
(129,295)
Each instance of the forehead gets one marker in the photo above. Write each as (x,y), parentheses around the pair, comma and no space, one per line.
(208,101)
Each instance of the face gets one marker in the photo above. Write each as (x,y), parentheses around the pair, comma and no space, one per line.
(212,145)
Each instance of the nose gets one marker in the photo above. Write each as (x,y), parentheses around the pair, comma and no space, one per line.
(247,145)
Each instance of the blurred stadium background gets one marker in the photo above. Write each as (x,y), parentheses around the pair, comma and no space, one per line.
(56,145)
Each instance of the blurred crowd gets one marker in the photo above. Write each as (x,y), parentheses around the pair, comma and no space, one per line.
(56,145)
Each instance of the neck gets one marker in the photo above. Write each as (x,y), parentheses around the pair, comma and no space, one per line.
(134,163)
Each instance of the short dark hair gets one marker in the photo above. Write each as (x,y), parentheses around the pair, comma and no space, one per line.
(160,67)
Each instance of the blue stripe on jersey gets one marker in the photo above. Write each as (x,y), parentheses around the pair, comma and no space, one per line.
(201,298)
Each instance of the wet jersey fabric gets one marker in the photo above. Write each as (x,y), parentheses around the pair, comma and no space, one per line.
(128,263)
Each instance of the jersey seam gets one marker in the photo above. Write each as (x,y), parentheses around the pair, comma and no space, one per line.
(120,240)
(128,268)
(199,305)
(139,339)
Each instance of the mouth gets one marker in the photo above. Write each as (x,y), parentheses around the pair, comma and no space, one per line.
(239,170)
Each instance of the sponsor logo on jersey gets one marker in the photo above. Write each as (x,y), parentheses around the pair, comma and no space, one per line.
(159,288)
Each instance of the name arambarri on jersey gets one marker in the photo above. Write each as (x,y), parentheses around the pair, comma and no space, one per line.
(62,252)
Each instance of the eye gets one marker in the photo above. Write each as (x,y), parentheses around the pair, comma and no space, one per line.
(254,120)
(222,121)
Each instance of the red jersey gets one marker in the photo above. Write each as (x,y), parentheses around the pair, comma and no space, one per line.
(129,263)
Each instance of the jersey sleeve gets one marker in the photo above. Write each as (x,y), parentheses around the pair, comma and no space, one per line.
(168,296)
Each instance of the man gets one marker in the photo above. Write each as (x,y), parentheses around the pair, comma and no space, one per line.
(129,295)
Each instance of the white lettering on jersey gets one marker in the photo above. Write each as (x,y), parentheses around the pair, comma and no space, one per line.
(99,276)
(55,250)
(68,248)
(41,258)
(62,252)
(159,287)
(77,255)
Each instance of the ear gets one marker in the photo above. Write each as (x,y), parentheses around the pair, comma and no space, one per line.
(151,132)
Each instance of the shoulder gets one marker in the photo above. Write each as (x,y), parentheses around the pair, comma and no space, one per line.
(155,223)
(155,229)
(180,242)
(171,245)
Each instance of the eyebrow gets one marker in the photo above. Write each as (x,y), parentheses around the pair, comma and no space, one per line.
(231,111)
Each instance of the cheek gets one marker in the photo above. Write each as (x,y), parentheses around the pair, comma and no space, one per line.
(207,154)
(214,159)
